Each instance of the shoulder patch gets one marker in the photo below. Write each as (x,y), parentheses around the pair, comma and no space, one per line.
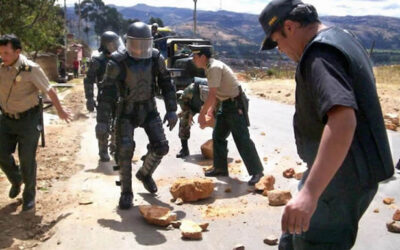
(26,68)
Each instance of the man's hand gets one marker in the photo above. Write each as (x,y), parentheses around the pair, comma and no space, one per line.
(202,121)
(65,115)
(90,104)
(297,214)
(172,119)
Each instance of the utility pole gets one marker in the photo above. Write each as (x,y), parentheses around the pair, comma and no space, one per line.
(194,18)
(65,34)
(79,22)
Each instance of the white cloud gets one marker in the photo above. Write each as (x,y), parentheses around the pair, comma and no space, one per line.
(324,7)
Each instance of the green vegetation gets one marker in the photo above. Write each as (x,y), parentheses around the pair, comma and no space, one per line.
(39,23)
(103,17)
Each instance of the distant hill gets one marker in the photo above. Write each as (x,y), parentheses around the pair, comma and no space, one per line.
(238,35)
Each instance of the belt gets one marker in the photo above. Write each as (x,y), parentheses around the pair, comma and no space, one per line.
(21,115)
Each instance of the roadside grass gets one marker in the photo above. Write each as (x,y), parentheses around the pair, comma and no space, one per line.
(388,75)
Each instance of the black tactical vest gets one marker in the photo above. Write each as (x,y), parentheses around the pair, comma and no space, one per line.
(370,147)
(102,62)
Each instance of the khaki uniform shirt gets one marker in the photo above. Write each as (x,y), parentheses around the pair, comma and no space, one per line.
(221,76)
(19,93)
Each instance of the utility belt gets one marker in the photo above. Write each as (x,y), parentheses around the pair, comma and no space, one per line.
(21,115)
(241,102)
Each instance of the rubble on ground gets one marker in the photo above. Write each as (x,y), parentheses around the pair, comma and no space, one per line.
(393,226)
(191,230)
(157,215)
(192,189)
(266,183)
(289,173)
(396,215)
(271,240)
(388,200)
(391,121)
(279,197)
(207,149)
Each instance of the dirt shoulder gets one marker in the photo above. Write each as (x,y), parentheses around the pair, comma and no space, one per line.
(283,90)
(56,163)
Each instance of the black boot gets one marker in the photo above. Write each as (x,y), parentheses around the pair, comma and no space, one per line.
(398,165)
(103,151)
(15,190)
(148,182)
(125,201)
(150,163)
(255,178)
(28,204)
(185,149)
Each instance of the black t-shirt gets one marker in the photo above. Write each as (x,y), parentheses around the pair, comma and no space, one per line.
(322,83)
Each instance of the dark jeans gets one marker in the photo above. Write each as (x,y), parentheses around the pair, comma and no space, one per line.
(334,225)
(24,133)
(229,120)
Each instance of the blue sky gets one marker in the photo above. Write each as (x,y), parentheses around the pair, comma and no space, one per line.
(324,7)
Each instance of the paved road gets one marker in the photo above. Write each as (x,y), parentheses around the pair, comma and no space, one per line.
(244,218)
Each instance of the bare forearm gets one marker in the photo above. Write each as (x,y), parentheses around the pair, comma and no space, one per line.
(54,99)
(335,143)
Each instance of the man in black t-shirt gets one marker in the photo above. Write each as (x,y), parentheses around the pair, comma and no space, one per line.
(338,125)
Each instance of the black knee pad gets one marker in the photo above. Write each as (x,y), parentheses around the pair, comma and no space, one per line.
(101,131)
(160,148)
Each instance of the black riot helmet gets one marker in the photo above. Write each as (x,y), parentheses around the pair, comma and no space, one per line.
(139,41)
(110,42)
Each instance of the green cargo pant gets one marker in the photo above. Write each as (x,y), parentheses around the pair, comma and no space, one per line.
(229,120)
(24,133)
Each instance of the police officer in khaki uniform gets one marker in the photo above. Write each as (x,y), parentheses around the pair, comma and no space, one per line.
(20,83)
(231,115)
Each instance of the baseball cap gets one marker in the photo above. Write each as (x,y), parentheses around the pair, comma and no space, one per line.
(273,13)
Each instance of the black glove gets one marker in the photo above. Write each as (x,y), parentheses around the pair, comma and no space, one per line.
(172,119)
(90,104)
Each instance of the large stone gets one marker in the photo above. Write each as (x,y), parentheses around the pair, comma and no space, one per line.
(393,227)
(396,215)
(266,183)
(279,197)
(207,149)
(191,230)
(157,215)
(192,189)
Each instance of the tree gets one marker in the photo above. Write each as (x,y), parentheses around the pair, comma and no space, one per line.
(156,20)
(38,23)
(103,17)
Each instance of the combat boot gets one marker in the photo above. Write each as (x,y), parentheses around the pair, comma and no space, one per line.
(184,151)
(125,200)
(15,190)
(103,151)
(148,182)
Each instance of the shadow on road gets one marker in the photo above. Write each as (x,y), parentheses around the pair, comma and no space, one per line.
(104,168)
(132,221)
(200,160)
(23,226)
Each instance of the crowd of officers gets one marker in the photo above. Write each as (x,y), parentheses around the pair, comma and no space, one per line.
(338,124)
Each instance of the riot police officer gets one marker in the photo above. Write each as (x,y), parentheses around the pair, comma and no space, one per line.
(107,95)
(136,72)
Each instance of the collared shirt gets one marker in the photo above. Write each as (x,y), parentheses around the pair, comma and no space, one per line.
(221,76)
(19,91)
